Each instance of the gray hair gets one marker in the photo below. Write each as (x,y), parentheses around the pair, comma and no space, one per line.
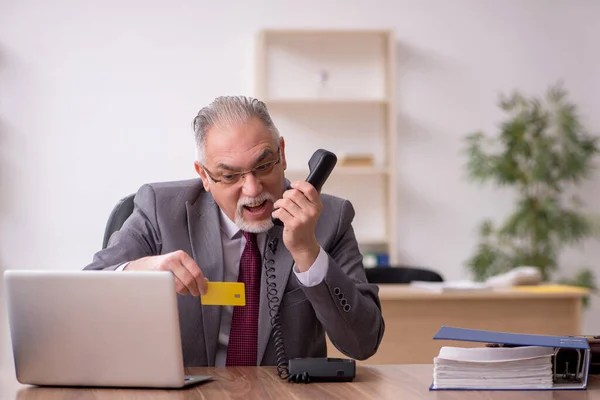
(227,111)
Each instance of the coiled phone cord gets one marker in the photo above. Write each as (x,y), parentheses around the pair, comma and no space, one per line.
(277,332)
(273,301)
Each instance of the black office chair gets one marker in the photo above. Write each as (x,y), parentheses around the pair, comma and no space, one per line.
(401,275)
(117,217)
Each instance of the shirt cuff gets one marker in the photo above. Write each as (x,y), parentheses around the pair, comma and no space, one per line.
(122,266)
(316,273)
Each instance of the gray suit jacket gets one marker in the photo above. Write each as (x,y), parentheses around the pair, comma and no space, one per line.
(181,215)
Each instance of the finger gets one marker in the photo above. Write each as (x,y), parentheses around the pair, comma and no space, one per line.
(184,276)
(189,263)
(205,285)
(283,215)
(299,199)
(291,207)
(180,287)
(293,195)
(309,191)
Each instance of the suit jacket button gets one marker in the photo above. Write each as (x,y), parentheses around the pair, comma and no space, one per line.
(347,307)
(344,302)
(337,291)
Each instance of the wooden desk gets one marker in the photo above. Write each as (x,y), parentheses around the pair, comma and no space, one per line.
(413,316)
(404,382)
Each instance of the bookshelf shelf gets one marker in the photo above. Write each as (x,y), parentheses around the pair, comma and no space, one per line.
(343,170)
(373,242)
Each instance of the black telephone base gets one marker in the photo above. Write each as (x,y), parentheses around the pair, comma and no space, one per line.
(321,370)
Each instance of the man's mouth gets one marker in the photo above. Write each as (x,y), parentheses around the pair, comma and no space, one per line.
(256,208)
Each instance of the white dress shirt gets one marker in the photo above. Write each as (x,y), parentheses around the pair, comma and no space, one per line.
(233,245)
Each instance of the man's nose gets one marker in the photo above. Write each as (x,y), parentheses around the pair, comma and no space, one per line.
(252,186)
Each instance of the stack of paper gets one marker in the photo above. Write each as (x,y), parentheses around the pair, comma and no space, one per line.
(450,286)
(528,367)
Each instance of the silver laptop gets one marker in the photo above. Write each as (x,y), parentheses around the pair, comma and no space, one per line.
(96,328)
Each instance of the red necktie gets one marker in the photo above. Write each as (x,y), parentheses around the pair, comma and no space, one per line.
(243,336)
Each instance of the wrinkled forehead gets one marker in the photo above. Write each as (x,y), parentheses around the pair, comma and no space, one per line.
(239,144)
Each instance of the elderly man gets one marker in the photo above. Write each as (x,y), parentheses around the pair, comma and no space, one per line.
(219,228)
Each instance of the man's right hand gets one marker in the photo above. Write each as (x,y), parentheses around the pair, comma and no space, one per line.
(189,278)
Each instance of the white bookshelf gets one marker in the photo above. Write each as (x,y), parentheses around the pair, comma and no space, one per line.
(335,90)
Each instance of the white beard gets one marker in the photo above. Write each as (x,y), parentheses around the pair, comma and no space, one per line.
(253,227)
(258,226)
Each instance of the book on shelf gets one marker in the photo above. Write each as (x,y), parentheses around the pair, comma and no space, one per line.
(356,160)
(510,361)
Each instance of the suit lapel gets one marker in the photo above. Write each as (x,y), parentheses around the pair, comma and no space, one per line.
(282,265)
(207,251)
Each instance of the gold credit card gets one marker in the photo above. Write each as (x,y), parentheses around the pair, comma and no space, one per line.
(224,294)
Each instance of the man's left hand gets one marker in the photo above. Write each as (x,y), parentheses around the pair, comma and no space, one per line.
(299,210)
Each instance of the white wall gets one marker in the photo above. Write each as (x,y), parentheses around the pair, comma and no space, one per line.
(96,98)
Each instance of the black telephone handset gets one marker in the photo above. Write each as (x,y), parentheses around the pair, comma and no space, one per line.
(304,370)
(320,166)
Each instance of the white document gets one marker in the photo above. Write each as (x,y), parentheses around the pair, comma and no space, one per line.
(494,368)
(450,286)
(494,354)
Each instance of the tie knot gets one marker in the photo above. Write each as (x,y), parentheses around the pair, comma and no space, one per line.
(250,237)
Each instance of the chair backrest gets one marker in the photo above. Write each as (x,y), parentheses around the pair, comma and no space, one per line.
(401,275)
(117,217)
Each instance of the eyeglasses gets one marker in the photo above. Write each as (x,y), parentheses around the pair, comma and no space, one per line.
(260,170)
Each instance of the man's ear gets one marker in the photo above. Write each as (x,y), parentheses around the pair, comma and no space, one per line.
(282,147)
(200,171)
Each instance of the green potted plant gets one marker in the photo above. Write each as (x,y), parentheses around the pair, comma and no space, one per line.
(542,152)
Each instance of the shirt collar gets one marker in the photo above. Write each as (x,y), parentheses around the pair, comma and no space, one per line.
(228,227)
